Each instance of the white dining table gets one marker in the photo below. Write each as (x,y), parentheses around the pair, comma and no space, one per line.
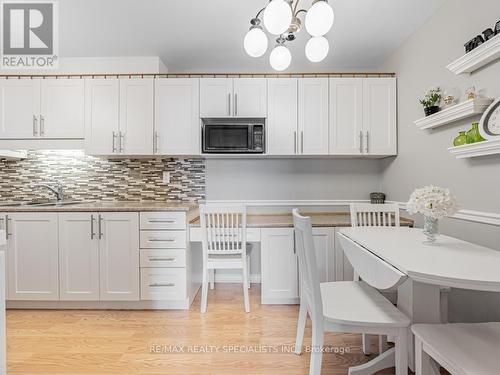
(449,262)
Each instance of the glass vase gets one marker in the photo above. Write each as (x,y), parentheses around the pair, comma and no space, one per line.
(431,229)
(473,135)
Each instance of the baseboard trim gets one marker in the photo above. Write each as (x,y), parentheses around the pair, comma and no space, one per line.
(482,217)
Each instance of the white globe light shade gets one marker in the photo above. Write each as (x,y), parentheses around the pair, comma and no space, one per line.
(317,49)
(280,58)
(277,17)
(319,18)
(255,42)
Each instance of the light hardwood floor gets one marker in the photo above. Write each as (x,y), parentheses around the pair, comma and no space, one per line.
(123,342)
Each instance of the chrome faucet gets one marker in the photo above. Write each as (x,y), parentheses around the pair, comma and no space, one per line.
(57,190)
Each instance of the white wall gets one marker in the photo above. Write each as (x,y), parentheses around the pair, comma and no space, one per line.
(423,159)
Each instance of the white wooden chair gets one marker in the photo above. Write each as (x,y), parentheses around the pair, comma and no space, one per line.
(462,349)
(345,306)
(224,246)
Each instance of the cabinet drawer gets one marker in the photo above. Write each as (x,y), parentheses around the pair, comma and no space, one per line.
(163,258)
(163,220)
(163,284)
(157,239)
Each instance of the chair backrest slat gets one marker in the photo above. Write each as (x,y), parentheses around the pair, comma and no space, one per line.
(365,214)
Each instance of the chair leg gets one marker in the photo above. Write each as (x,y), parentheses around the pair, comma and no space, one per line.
(204,292)
(301,326)
(245,287)
(402,352)
(367,343)
(212,279)
(248,270)
(316,350)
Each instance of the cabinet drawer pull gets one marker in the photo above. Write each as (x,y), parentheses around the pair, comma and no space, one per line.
(35,125)
(92,233)
(360,142)
(155,259)
(122,141)
(7,221)
(159,285)
(42,126)
(161,240)
(100,227)
(367,142)
(162,221)
(114,142)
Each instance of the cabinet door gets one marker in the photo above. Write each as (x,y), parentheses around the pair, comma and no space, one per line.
(282,116)
(102,105)
(78,257)
(379,116)
(313,116)
(216,97)
(346,116)
(119,256)
(250,97)
(177,116)
(62,108)
(324,245)
(32,257)
(19,108)
(136,116)
(279,267)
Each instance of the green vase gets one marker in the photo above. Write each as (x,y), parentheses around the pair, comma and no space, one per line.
(460,140)
(473,134)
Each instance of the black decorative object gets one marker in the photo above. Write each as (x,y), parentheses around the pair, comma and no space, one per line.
(377,198)
(431,110)
(480,39)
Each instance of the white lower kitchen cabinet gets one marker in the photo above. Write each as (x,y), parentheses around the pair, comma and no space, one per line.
(280,277)
(118,234)
(78,257)
(32,256)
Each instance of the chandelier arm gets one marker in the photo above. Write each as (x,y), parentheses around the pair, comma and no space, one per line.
(260,11)
(296,6)
(302,10)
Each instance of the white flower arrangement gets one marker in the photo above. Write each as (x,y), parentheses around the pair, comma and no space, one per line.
(432,201)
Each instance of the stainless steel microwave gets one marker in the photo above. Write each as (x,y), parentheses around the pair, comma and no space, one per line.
(233,137)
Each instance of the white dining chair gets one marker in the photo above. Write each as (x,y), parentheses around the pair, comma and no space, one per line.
(224,246)
(344,307)
(461,348)
(375,215)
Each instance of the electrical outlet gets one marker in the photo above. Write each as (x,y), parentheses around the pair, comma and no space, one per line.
(166,177)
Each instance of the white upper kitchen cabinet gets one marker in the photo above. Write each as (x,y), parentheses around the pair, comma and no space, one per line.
(136,116)
(250,97)
(62,108)
(228,97)
(177,116)
(32,256)
(78,257)
(346,116)
(279,267)
(313,116)
(19,108)
(216,97)
(102,116)
(281,127)
(119,255)
(379,116)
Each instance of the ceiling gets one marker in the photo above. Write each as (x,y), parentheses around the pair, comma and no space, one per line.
(207,35)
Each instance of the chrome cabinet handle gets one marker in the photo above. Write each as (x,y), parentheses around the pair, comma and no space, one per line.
(162,221)
(100,227)
(42,126)
(367,142)
(295,142)
(156,140)
(7,221)
(114,142)
(161,240)
(302,142)
(229,104)
(5,226)
(236,104)
(360,142)
(35,126)
(122,139)
(152,259)
(92,234)
(156,285)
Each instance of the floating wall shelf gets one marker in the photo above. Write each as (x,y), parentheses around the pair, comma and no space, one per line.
(476,149)
(454,113)
(478,57)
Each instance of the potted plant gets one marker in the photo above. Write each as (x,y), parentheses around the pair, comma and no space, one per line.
(431,101)
(434,203)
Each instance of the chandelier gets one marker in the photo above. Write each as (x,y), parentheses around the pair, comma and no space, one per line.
(281,19)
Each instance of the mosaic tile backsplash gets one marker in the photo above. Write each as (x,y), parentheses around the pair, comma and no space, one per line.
(91,178)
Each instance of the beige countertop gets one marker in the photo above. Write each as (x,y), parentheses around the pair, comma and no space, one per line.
(319,219)
(106,207)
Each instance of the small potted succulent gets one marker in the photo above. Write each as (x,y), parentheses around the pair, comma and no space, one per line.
(431,101)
